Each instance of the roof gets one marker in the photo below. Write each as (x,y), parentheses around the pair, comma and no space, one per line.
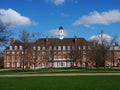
(52,42)
(60,27)
(60,42)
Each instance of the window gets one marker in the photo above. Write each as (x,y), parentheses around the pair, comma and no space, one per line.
(13,58)
(59,57)
(73,48)
(64,48)
(34,48)
(8,64)
(55,52)
(13,64)
(10,47)
(18,52)
(89,48)
(116,47)
(84,47)
(8,52)
(68,57)
(55,57)
(62,64)
(55,48)
(50,58)
(38,47)
(8,58)
(13,52)
(15,47)
(18,64)
(43,53)
(84,56)
(38,57)
(64,52)
(50,47)
(64,57)
(20,47)
(18,58)
(43,48)
(59,52)
(68,47)
(59,47)
(111,48)
(84,52)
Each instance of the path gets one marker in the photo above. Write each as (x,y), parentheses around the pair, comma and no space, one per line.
(65,74)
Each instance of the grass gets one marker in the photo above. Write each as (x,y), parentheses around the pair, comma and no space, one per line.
(60,70)
(61,83)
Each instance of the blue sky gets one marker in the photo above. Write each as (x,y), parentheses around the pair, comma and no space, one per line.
(84,18)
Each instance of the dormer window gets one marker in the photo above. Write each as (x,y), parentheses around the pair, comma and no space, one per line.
(15,47)
(10,48)
(55,48)
(59,47)
(50,47)
(89,48)
(38,47)
(84,47)
(43,48)
(79,48)
(73,48)
(68,47)
(20,47)
(64,48)
(34,48)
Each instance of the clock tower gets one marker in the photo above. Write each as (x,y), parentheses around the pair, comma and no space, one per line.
(61,32)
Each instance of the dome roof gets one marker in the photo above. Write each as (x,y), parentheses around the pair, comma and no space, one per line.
(60,27)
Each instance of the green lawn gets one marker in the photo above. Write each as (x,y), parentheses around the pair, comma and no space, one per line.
(45,71)
(61,83)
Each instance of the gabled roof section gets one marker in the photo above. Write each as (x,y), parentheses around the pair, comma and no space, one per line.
(60,42)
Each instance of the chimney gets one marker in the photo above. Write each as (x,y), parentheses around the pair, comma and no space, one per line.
(46,38)
(116,43)
(75,39)
(12,41)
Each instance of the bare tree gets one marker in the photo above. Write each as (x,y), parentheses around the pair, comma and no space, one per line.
(100,47)
(24,37)
(1,59)
(5,33)
(33,37)
(29,41)
(51,55)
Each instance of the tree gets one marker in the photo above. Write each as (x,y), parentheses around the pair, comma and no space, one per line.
(52,54)
(24,37)
(4,34)
(1,59)
(77,51)
(27,40)
(100,47)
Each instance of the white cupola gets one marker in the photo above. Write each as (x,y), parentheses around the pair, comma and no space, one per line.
(61,32)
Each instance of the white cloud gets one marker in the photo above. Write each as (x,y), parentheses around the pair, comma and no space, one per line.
(101,37)
(14,18)
(54,32)
(95,17)
(56,2)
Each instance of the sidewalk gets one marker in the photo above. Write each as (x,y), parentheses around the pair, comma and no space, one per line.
(65,74)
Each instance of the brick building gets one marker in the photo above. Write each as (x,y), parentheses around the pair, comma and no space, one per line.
(52,52)
(46,52)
